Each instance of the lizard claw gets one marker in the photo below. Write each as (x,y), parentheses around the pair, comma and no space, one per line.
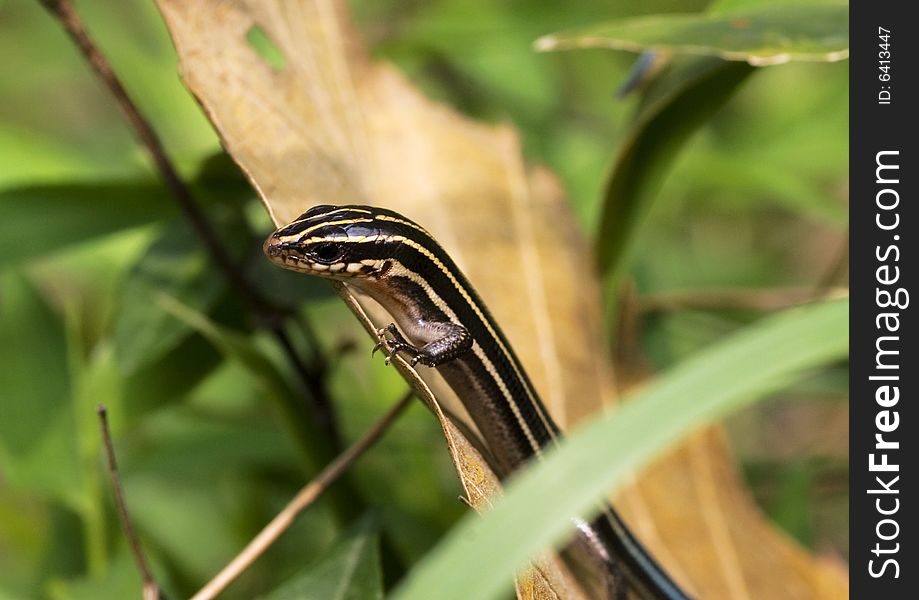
(385,344)
(392,346)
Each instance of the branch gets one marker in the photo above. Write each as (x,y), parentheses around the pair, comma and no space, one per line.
(306,496)
(151,590)
(266,315)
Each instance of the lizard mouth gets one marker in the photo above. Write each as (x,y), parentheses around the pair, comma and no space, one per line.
(285,255)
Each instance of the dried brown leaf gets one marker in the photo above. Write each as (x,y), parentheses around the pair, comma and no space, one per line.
(333,127)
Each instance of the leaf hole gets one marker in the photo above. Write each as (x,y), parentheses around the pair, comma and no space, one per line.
(265,47)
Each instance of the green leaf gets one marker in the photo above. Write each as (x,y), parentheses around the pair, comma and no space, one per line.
(189,524)
(25,528)
(10,595)
(171,378)
(37,447)
(266,48)
(286,288)
(41,219)
(95,380)
(121,580)
(29,157)
(792,507)
(202,449)
(313,447)
(91,137)
(695,93)
(749,180)
(718,7)
(174,264)
(750,364)
(350,571)
(759,35)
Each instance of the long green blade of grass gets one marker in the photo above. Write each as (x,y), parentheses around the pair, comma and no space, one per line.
(479,556)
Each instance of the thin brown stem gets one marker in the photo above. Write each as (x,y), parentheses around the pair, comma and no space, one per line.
(151,590)
(265,314)
(306,496)
(73,24)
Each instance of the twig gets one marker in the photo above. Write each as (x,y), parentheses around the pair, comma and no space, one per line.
(65,12)
(151,590)
(306,496)
(266,315)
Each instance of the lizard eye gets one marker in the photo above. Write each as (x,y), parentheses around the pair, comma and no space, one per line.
(328,252)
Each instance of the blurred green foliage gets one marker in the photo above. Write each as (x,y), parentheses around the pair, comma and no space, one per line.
(90,243)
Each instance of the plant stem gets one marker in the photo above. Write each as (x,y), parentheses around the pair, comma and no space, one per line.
(151,590)
(265,314)
(304,498)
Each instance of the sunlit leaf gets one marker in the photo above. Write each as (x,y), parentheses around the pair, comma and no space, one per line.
(30,158)
(761,35)
(87,136)
(42,219)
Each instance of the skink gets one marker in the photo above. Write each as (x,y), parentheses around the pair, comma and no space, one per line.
(440,322)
